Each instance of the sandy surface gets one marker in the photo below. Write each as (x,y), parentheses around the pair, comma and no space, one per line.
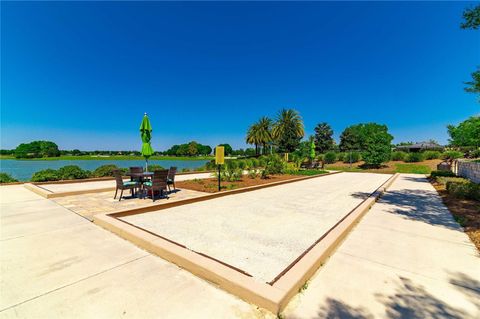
(262,232)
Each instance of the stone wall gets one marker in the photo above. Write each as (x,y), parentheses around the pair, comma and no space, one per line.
(470,170)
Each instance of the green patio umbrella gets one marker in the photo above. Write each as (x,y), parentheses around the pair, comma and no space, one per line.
(312,150)
(146,135)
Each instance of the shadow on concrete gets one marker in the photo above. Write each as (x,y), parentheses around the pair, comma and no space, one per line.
(409,301)
(419,205)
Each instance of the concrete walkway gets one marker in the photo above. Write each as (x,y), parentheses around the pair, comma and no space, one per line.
(406,259)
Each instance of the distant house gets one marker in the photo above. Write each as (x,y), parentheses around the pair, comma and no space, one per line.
(419,147)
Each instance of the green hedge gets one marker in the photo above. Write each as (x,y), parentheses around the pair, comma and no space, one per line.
(330,157)
(398,156)
(414,157)
(63,173)
(442,173)
(6,178)
(464,189)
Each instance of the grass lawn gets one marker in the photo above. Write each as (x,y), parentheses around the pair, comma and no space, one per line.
(112,157)
(391,167)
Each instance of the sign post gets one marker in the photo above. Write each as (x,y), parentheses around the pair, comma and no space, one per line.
(219,160)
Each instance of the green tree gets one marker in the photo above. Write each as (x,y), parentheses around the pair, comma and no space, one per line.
(227,149)
(323,137)
(264,132)
(471,17)
(375,143)
(350,139)
(252,136)
(288,130)
(37,149)
(192,148)
(467,133)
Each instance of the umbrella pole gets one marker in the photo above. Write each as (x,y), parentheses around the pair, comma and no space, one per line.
(146,164)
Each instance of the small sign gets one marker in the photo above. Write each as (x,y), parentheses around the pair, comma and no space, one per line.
(219,155)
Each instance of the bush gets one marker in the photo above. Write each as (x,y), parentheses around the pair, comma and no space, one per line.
(451,155)
(229,174)
(72,172)
(255,163)
(414,157)
(155,167)
(305,172)
(45,175)
(242,164)
(341,157)
(232,164)
(398,156)
(464,189)
(104,170)
(6,178)
(429,155)
(442,174)
(475,153)
(274,164)
(330,157)
(352,156)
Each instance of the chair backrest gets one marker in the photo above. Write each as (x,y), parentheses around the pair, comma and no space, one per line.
(118,177)
(136,169)
(171,172)
(159,179)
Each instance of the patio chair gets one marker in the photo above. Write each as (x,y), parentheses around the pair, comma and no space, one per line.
(121,185)
(171,178)
(158,183)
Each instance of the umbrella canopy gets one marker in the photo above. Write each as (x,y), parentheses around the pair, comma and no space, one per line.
(312,150)
(146,135)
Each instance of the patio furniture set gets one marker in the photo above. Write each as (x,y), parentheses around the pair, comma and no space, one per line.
(144,183)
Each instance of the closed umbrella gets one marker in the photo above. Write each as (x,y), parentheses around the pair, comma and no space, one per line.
(312,150)
(146,135)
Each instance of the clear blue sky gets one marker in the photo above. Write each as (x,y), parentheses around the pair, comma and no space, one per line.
(82,74)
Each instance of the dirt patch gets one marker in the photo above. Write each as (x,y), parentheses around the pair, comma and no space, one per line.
(465,211)
(210,185)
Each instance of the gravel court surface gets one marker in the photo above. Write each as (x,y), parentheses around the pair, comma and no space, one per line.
(261,232)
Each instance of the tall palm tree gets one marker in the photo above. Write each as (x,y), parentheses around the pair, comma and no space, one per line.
(288,130)
(264,132)
(252,136)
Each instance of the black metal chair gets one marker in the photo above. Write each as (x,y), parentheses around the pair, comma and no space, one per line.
(158,183)
(121,185)
(171,178)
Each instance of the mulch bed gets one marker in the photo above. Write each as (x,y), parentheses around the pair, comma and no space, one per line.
(210,185)
(465,211)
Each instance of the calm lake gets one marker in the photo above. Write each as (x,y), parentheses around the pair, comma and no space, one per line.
(23,170)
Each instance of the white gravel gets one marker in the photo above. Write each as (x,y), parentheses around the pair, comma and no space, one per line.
(262,232)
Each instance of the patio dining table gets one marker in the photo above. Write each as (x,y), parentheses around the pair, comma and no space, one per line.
(142,178)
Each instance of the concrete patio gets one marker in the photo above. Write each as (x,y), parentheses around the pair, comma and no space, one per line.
(407,258)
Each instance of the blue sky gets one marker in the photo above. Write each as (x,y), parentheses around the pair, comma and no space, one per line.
(82,74)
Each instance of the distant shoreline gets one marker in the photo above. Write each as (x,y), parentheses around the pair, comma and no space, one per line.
(108,158)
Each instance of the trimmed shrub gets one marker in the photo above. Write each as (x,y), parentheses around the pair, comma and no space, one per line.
(341,156)
(6,178)
(398,156)
(274,164)
(429,155)
(155,167)
(353,156)
(449,155)
(255,163)
(330,157)
(414,157)
(442,174)
(242,164)
(45,175)
(72,172)
(464,189)
(104,170)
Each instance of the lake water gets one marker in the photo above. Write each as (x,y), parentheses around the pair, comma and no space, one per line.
(23,170)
